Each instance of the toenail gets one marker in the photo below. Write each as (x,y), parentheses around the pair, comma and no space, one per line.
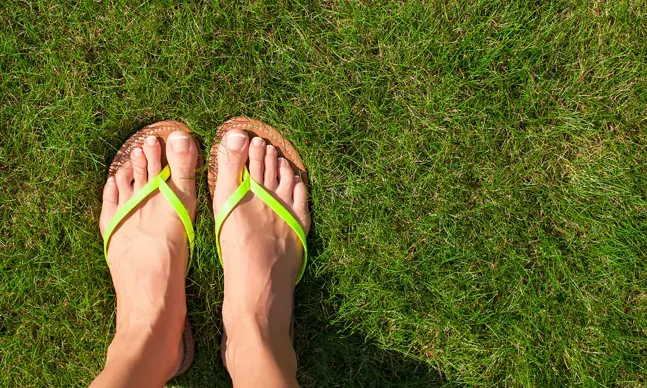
(111,181)
(257,141)
(236,141)
(283,162)
(151,140)
(180,143)
(137,152)
(270,149)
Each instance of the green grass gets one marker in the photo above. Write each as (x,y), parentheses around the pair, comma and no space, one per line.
(478,170)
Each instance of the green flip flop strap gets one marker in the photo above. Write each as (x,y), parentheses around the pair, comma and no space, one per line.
(159,182)
(248,184)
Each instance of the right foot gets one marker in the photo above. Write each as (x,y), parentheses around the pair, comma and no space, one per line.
(262,255)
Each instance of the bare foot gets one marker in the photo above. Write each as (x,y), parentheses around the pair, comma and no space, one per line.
(261,257)
(148,256)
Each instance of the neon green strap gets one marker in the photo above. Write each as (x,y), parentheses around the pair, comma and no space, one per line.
(248,184)
(159,182)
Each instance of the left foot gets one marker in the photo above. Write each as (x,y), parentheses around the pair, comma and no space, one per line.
(148,254)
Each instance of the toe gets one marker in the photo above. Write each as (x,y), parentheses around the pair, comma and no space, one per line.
(232,156)
(271,181)
(300,203)
(124,178)
(140,174)
(110,203)
(153,152)
(286,180)
(182,155)
(257,159)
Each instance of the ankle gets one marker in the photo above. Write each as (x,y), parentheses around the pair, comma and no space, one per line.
(148,350)
(254,345)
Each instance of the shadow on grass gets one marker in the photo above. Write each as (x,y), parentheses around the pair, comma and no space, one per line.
(327,356)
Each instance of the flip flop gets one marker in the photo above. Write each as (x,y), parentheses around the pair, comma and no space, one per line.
(161,130)
(285,149)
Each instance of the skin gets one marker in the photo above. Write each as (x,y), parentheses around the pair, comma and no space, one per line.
(148,255)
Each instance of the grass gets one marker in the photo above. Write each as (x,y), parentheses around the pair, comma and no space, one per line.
(478,170)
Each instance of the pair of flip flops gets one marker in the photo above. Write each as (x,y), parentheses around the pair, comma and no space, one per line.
(162,130)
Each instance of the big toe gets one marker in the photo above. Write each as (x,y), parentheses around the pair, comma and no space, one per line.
(232,156)
(182,156)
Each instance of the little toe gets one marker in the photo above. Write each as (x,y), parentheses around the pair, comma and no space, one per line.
(110,203)
(300,203)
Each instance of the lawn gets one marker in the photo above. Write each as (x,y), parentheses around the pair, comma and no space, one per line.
(478,180)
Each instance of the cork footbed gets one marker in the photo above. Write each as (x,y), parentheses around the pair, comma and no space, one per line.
(188,349)
(255,128)
(162,130)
